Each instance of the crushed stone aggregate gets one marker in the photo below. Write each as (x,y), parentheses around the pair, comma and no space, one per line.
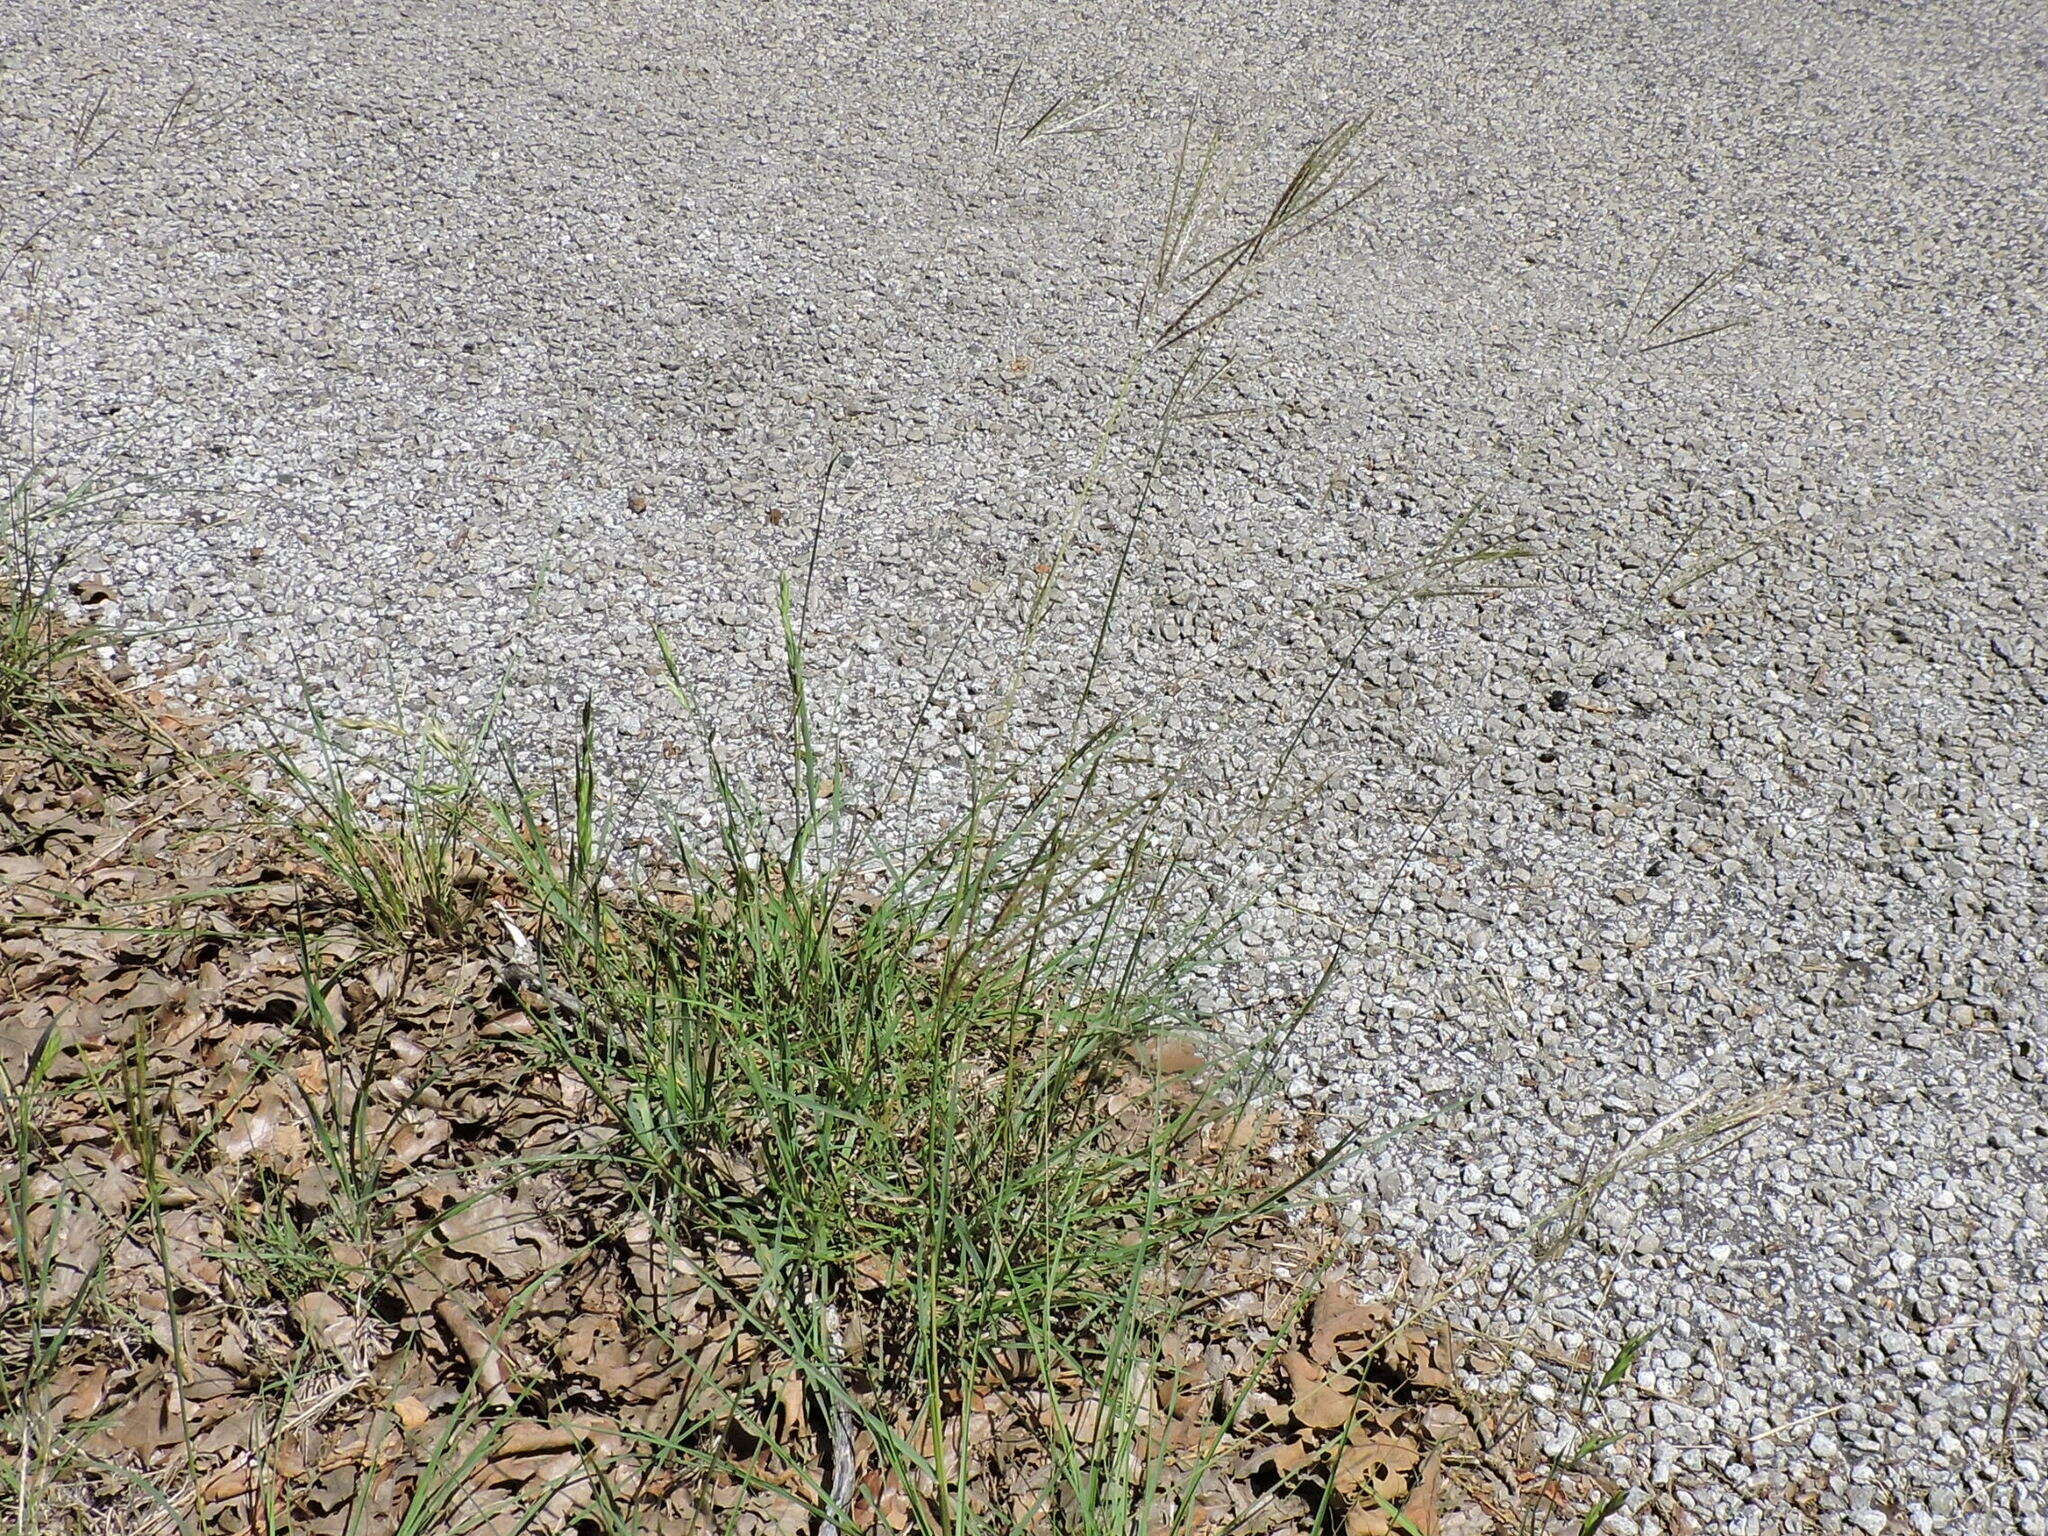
(452,350)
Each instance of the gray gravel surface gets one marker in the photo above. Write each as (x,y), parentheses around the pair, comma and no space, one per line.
(469,343)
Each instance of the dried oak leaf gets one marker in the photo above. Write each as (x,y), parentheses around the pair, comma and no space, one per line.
(592,1347)
(508,1236)
(1424,1506)
(411,1412)
(1338,1317)
(76,1392)
(1289,1456)
(1444,1422)
(1421,1360)
(150,1422)
(1329,1404)
(1377,1467)
(265,1129)
(1302,1372)
(873,1271)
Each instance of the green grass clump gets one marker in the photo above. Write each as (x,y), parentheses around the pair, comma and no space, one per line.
(947,1105)
(829,1076)
(35,642)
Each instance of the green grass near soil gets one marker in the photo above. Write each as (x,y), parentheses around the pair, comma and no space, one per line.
(953,1102)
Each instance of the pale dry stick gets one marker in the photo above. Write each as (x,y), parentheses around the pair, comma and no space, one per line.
(2013,1394)
(1627,343)
(842,1425)
(1799,1423)
(1148,480)
(1265,808)
(1089,485)
(23,250)
(485,1355)
(1671,562)
(1437,561)
(1175,228)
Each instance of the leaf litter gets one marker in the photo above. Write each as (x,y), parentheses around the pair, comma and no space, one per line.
(303,1233)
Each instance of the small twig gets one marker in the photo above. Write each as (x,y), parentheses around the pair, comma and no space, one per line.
(1799,1423)
(522,970)
(842,1425)
(185,98)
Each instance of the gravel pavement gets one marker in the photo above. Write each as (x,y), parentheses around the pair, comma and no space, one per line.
(474,342)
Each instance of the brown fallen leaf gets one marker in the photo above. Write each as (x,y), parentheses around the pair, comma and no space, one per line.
(78,1392)
(1326,1405)
(732,1170)
(873,1271)
(1288,1456)
(412,1413)
(230,1482)
(890,1501)
(1242,1132)
(1423,1508)
(1302,1372)
(1375,1468)
(265,1129)
(1444,1422)
(564,1485)
(149,1424)
(530,1437)
(790,1397)
(505,1234)
(1415,1355)
(1338,1316)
